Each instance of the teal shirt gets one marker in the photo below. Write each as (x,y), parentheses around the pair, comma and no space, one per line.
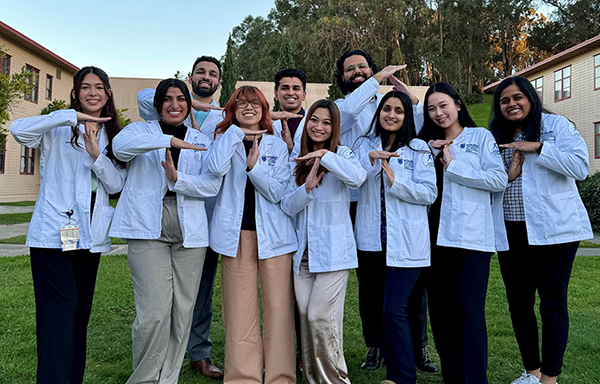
(201,115)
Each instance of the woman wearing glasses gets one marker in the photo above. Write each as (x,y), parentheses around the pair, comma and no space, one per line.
(256,239)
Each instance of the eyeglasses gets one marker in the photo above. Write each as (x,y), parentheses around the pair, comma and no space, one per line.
(352,68)
(244,103)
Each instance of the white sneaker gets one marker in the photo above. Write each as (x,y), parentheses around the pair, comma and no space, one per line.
(526,378)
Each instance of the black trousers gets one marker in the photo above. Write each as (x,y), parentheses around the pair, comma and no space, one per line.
(63,284)
(417,315)
(371,289)
(550,267)
(456,285)
(398,350)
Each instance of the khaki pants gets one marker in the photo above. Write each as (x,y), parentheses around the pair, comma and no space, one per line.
(246,353)
(165,279)
(320,298)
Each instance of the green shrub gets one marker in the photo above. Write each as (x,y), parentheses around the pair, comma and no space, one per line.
(589,190)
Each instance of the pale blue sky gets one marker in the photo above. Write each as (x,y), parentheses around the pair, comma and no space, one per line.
(150,38)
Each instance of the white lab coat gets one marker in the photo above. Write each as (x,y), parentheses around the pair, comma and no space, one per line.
(468,211)
(322,218)
(139,211)
(406,202)
(554,212)
(269,176)
(65,175)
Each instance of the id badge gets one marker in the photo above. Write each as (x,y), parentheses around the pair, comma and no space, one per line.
(69,237)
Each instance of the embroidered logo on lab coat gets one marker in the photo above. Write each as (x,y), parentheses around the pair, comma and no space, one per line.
(349,155)
(408,164)
(427,159)
(271,159)
(492,147)
(574,131)
(470,148)
(548,136)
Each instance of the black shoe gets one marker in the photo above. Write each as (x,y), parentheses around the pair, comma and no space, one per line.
(424,364)
(372,359)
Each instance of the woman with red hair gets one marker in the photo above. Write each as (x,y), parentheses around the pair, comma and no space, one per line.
(256,239)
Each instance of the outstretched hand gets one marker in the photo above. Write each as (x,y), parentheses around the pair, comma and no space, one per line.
(178,143)
(253,154)
(278,115)
(311,155)
(286,135)
(83,118)
(90,139)
(373,155)
(388,172)
(312,180)
(203,106)
(169,166)
(388,71)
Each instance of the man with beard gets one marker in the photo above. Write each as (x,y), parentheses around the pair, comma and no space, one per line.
(205,80)
(358,79)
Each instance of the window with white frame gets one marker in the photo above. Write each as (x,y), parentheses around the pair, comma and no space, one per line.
(597,140)
(562,84)
(538,85)
(27,160)
(596,72)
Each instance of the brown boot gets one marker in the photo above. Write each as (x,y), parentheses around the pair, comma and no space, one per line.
(206,368)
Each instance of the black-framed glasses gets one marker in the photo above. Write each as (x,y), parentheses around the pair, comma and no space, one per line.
(244,103)
(352,68)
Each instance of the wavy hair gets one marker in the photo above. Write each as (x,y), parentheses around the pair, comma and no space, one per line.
(112,126)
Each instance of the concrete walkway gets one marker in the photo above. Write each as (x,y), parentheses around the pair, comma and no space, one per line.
(10,209)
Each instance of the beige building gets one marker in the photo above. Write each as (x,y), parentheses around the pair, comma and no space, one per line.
(569,85)
(19,166)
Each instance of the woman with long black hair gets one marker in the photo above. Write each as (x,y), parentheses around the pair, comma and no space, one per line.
(545,220)
(468,169)
(391,222)
(71,218)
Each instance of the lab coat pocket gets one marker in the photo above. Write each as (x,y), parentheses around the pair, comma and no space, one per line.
(223,218)
(415,238)
(560,214)
(101,220)
(277,227)
(330,238)
(467,222)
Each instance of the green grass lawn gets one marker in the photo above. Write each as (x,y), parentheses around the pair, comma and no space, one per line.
(481,112)
(20,204)
(15,218)
(109,340)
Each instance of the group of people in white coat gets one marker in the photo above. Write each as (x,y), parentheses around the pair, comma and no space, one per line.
(433,192)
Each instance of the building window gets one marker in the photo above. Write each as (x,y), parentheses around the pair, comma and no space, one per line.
(5,65)
(58,73)
(596,72)
(538,85)
(48,87)
(33,96)
(597,140)
(562,84)
(27,160)
(2,154)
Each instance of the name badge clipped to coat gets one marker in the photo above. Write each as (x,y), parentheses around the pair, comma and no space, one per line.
(69,235)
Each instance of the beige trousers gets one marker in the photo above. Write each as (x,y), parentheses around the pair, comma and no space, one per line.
(320,298)
(246,353)
(165,278)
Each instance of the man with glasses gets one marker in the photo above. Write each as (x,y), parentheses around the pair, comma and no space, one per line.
(358,79)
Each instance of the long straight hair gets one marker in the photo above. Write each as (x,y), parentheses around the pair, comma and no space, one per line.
(307,145)
(250,93)
(112,126)
(504,130)
(432,131)
(405,134)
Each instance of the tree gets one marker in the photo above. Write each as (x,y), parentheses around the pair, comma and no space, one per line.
(123,119)
(229,73)
(12,88)
(54,106)
(284,60)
